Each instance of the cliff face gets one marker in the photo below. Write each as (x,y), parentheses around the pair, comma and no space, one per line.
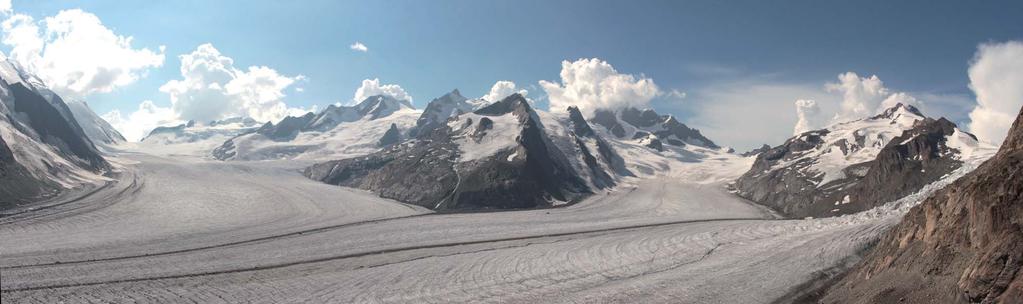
(962,245)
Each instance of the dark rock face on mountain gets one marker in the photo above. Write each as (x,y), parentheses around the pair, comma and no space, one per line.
(16,183)
(287,129)
(43,143)
(964,244)
(874,165)
(585,138)
(439,110)
(654,129)
(440,170)
(917,158)
(608,120)
(56,129)
(644,118)
(756,151)
(97,129)
(392,136)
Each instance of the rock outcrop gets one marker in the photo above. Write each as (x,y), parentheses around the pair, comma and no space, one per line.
(964,244)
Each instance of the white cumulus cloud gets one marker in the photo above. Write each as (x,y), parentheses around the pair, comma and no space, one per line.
(359,47)
(865,96)
(5,6)
(211,88)
(594,84)
(502,89)
(996,77)
(372,87)
(806,111)
(75,54)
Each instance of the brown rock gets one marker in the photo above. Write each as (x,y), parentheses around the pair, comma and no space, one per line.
(964,244)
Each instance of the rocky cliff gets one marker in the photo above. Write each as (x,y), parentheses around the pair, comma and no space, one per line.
(964,244)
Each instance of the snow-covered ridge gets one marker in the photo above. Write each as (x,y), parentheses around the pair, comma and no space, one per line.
(346,139)
(848,143)
(335,132)
(98,129)
(195,138)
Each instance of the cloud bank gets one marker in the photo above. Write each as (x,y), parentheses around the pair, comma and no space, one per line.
(75,54)
(996,77)
(594,84)
(213,88)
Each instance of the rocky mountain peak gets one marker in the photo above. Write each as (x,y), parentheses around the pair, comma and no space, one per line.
(579,124)
(514,103)
(900,109)
(439,110)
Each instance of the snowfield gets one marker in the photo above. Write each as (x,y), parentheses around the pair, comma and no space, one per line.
(183,229)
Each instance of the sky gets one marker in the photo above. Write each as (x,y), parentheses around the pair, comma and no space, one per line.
(734,69)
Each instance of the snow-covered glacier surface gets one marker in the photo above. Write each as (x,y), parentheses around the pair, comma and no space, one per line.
(177,229)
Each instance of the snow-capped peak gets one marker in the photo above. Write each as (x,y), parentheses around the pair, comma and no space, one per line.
(440,109)
(900,109)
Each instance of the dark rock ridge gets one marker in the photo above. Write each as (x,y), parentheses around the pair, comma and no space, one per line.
(782,177)
(430,170)
(585,138)
(54,127)
(392,136)
(654,129)
(756,151)
(439,110)
(287,128)
(17,185)
(964,244)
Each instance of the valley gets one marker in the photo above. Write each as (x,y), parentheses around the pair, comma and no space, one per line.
(260,232)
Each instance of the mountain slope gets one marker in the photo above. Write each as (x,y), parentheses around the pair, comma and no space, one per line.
(499,156)
(854,166)
(439,110)
(96,128)
(963,244)
(44,149)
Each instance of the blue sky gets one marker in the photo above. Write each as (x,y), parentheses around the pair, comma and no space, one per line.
(703,48)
